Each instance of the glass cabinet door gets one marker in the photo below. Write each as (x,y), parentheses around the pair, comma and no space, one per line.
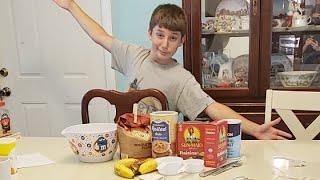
(225,43)
(295,48)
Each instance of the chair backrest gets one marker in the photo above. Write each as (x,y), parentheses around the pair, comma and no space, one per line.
(123,102)
(286,101)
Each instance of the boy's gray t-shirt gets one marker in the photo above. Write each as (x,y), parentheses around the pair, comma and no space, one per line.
(183,92)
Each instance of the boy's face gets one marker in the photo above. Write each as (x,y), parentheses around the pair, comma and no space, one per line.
(164,44)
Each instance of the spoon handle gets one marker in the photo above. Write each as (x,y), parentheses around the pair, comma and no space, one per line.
(222,170)
(218,170)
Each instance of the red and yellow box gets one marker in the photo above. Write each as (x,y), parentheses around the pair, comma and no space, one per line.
(203,140)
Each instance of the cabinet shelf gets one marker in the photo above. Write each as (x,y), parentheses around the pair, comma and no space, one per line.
(235,33)
(304,29)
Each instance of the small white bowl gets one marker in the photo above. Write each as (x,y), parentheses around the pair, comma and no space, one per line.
(93,142)
(193,165)
(170,166)
(167,159)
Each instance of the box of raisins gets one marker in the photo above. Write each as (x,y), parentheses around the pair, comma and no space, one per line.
(203,140)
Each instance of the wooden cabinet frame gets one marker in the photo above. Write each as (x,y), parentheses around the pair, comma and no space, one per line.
(250,102)
(192,54)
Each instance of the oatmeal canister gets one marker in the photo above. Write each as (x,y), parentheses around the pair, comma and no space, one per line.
(163,129)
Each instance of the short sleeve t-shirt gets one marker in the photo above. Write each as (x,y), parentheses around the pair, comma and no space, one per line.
(183,92)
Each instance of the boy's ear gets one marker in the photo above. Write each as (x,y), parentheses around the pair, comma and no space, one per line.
(183,39)
(149,33)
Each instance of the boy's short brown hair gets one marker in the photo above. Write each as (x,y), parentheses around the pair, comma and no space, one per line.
(169,16)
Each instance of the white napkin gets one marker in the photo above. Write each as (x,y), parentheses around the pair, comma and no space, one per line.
(31,160)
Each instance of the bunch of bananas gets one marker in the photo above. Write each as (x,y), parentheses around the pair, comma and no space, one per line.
(130,167)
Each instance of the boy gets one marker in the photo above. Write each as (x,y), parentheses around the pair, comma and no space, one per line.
(155,67)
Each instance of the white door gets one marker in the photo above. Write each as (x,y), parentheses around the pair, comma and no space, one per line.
(51,64)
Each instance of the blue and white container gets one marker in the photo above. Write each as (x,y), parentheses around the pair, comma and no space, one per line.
(234,138)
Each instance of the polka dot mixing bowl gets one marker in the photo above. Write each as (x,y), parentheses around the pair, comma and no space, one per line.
(94,142)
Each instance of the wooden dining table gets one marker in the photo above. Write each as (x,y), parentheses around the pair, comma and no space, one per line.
(258,161)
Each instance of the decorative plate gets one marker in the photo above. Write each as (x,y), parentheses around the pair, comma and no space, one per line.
(280,63)
(240,67)
(232,15)
(233,7)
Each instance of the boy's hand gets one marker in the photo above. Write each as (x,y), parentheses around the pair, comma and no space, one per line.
(267,131)
(65,4)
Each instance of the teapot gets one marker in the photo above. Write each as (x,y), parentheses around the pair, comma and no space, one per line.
(301,20)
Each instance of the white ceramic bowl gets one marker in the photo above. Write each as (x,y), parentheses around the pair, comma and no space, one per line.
(193,165)
(297,78)
(93,142)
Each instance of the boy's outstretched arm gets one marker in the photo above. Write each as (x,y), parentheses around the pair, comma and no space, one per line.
(93,29)
(264,131)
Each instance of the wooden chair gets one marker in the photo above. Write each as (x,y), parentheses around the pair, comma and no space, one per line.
(123,102)
(286,101)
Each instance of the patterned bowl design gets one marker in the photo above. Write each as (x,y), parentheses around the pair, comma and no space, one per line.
(94,142)
(297,78)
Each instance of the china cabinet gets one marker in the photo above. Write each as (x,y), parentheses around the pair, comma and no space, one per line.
(237,49)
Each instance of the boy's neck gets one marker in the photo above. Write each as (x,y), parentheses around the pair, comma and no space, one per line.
(161,62)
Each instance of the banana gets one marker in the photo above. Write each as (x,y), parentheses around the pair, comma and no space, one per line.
(149,165)
(135,166)
(129,167)
(127,162)
(123,167)
(123,171)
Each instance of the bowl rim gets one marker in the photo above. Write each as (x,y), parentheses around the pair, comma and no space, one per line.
(67,130)
(297,72)
(7,140)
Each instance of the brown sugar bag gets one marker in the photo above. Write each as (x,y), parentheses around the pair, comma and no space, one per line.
(134,137)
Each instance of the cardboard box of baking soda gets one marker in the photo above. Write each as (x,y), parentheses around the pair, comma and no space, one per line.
(203,140)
